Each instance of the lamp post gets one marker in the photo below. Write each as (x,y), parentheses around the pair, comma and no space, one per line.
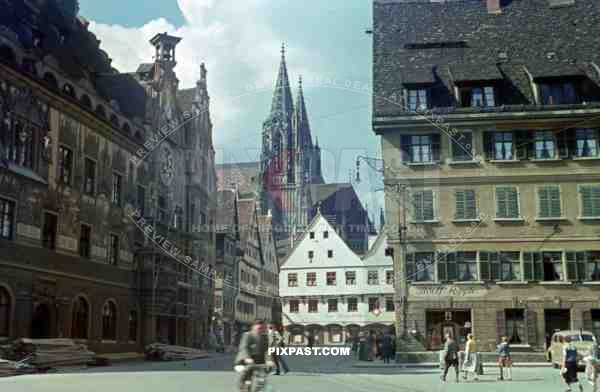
(400,277)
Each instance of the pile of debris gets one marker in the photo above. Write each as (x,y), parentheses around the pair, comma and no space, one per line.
(12,368)
(50,353)
(165,352)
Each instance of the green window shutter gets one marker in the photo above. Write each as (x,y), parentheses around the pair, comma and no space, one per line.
(582,260)
(460,205)
(484,266)
(501,206)
(513,203)
(470,204)
(417,206)
(441,269)
(451,266)
(555,205)
(538,267)
(590,201)
(410,266)
(494,266)
(571,266)
(528,266)
(428,205)
(544,202)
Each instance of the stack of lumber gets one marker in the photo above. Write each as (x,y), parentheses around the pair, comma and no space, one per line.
(49,353)
(165,352)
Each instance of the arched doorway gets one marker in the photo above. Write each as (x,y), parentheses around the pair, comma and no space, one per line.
(80,319)
(5,312)
(109,321)
(40,322)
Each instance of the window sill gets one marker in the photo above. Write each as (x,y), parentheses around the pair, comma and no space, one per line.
(432,163)
(425,283)
(591,283)
(588,217)
(551,219)
(511,282)
(556,283)
(586,158)
(427,221)
(463,163)
(466,220)
(468,282)
(509,220)
(505,160)
(536,160)
(108,341)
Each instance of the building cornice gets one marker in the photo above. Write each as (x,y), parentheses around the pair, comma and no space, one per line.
(493,180)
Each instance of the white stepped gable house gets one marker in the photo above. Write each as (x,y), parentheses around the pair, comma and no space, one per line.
(332,293)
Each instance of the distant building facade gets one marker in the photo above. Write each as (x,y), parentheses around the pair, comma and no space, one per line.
(73,263)
(330,292)
(496,142)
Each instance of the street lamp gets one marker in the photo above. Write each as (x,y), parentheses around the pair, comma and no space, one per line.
(400,281)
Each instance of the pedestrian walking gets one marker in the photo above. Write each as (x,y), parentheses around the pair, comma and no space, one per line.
(504,360)
(386,347)
(470,364)
(370,345)
(592,369)
(569,365)
(450,357)
(276,341)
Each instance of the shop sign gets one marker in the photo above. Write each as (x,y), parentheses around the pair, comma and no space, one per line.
(447,291)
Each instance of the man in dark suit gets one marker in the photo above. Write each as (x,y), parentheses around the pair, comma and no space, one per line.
(253,349)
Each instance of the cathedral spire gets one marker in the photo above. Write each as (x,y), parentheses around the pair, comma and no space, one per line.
(282,96)
(301,120)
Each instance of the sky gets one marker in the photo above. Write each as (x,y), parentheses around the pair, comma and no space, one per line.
(240,43)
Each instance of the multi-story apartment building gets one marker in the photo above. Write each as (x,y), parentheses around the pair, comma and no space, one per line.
(227,261)
(489,131)
(73,263)
(330,292)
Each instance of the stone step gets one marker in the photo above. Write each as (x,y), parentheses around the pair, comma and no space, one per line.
(488,357)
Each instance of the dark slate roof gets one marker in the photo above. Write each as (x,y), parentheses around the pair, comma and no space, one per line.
(145,68)
(478,72)
(244,175)
(225,214)
(553,69)
(126,90)
(414,75)
(321,192)
(461,35)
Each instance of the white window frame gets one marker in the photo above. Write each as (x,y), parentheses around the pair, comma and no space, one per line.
(538,206)
(520,216)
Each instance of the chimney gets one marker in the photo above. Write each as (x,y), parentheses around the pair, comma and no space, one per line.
(493,7)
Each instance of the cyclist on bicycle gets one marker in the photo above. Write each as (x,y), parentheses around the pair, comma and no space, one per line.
(253,350)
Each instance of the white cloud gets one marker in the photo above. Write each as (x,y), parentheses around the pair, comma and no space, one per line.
(233,38)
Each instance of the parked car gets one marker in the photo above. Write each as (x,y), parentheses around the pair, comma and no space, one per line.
(582,340)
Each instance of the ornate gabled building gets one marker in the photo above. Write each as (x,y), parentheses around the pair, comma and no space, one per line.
(290,162)
(72,262)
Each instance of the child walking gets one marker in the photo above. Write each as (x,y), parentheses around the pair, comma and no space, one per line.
(504,360)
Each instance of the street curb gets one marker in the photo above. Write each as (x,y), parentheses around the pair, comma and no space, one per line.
(430,365)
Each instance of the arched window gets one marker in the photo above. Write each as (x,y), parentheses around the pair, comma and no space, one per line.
(114,120)
(100,111)
(109,321)
(138,136)
(5,312)
(127,129)
(86,101)
(80,319)
(133,325)
(50,80)
(7,55)
(69,90)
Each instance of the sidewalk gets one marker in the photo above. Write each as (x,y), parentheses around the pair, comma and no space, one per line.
(378,364)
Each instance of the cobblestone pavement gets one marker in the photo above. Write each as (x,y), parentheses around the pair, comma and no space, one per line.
(309,374)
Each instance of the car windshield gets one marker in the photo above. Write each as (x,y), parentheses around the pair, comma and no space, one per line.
(582,338)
